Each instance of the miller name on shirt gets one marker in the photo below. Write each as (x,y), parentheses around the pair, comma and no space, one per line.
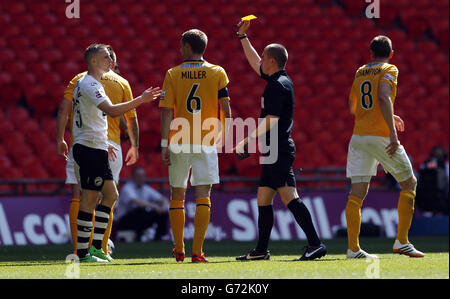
(193,75)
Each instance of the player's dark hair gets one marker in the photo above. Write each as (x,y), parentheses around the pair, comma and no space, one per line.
(279,53)
(196,39)
(381,46)
(92,50)
(112,54)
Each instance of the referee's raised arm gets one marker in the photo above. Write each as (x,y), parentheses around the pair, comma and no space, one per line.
(252,56)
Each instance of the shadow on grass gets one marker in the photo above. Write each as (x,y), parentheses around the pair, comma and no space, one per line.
(231,249)
(33,264)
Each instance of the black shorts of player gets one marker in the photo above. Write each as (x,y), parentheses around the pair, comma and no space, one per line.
(93,166)
(278,174)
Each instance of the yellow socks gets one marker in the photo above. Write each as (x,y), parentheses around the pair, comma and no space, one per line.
(405,214)
(201,222)
(353,216)
(73,215)
(176,216)
(107,232)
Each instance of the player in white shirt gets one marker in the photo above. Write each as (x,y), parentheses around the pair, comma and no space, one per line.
(91,150)
(118,90)
(90,126)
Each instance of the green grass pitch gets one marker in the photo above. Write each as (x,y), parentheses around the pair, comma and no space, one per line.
(153,260)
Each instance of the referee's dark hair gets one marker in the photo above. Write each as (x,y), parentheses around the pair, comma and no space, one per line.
(381,46)
(196,39)
(92,50)
(279,53)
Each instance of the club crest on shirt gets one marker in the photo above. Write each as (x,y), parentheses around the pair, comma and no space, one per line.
(98,181)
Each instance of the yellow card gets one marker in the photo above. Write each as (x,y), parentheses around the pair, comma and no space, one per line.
(249,17)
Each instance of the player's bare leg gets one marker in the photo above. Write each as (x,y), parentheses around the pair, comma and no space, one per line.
(287,194)
(265,196)
(88,200)
(359,190)
(109,193)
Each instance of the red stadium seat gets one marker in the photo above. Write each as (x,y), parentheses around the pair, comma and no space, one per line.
(16,8)
(5,19)
(94,20)
(8,173)
(19,42)
(27,55)
(39,8)
(112,10)
(18,116)
(443,39)
(6,78)
(6,55)
(39,67)
(388,17)
(41,50)
(43,43)
(355,8)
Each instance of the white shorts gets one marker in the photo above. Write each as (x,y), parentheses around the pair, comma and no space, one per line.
(366,152)
(116,166)
(204,164)
(71,178)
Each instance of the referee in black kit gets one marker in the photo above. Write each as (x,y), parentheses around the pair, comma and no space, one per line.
(277,113)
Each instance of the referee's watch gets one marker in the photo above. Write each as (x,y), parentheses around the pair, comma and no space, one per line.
(242,36)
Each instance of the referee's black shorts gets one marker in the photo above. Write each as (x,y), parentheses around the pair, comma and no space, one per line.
(278,174)
(92,167)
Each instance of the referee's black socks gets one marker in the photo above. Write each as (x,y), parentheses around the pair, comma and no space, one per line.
(265,224)
(303,218)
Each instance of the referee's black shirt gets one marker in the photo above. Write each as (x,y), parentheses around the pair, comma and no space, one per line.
(278,100)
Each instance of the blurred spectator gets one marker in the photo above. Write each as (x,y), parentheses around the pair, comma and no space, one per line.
(433,182)
(140,207)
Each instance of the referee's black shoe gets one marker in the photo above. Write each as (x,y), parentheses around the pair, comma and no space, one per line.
(254,256)
(313,252)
